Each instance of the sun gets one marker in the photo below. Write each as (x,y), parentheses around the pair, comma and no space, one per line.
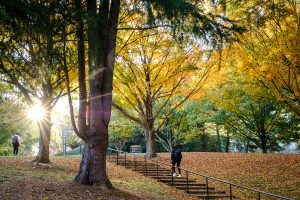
(36,112)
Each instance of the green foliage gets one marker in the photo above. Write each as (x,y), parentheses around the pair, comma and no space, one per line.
(205,19)
(73,141)
(14,120)
(120,131)
(262,122)
(182,126)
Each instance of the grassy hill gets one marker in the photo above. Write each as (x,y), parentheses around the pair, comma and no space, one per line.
(19,179)
(275,173)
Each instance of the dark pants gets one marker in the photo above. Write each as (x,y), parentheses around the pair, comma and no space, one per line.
(16,149)
(176,161)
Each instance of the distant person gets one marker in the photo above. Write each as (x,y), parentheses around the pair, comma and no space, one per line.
(176,157)
(15,140)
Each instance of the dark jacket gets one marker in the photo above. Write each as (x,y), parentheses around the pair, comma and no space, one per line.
(176,153)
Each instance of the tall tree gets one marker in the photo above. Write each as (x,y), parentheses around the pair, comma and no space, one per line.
(31,60)
(150,75)
(269,50)
(101,25)
(252,115)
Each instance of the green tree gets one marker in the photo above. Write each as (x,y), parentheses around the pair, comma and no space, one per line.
(185,124)
(14,120)
(261,121)
(31,58)
(101,25)
(121,130)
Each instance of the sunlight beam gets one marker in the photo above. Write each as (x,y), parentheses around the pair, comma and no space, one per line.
(36,112)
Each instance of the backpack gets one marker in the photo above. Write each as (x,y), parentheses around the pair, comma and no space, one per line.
(177,153)
(15,140)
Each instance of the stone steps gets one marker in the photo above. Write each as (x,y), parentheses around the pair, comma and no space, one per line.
(164,175)
(215,196)
(194,187)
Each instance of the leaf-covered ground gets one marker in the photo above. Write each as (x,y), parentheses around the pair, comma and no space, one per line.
(275,173)
(20,180)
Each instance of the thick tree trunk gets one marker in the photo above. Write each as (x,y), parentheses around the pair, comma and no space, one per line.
(93,167)
(93,164)
(45,131)
(150,143)
(102,30)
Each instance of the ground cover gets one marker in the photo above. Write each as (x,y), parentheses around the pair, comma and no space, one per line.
(19,179)
(275,173)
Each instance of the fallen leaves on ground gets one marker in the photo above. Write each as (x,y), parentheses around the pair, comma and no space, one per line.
(19,179)
(274,173)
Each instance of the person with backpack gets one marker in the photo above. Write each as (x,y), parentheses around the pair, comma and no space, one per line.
(176,157)
(16,143)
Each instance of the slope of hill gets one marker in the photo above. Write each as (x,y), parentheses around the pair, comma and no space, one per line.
(275,173)
(19,179)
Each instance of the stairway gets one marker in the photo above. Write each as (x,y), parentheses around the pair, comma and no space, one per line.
(160,173)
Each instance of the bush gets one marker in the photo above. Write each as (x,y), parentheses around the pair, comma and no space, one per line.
(5,150)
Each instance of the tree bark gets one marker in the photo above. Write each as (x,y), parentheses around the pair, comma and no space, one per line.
(82,111)
(247,146)
(219,143)
(263,143)
(93,167)
(150,143)
(45,131)
(102,30)
(227,141)
(204,142)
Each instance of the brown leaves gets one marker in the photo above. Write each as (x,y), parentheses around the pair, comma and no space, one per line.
(19,180)
(275,173)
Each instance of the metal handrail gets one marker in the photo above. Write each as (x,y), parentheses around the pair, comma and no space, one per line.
(213,178)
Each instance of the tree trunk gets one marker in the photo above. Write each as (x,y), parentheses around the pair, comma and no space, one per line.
(263,145)
(204,142)
(150,143)
(238,145)
(227,141)
(93,163)
(219,143)
(45,131)
(247,146)
(93,167)
(101,30)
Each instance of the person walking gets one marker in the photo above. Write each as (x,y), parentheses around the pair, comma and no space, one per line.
(176,157)
(16,143)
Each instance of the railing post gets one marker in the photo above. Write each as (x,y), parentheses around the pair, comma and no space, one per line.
(172,175)
(125,160)
(207,189)
(134,162)
(117,157)
(187,181)
(230,191)
(157,170)
(146,166)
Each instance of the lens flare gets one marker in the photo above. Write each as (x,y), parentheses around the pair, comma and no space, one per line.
(36,112)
